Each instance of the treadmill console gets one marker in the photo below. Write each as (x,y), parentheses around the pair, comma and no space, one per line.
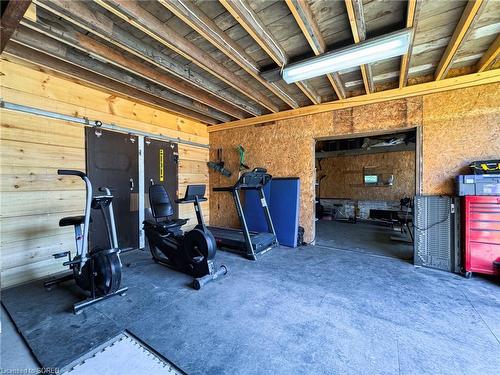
(258,177)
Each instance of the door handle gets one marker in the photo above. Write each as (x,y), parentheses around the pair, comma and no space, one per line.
(151,181)
(131,184)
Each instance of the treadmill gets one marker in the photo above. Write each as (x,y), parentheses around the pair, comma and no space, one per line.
(243,241)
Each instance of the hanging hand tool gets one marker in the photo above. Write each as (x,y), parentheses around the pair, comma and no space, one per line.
(219,165)
(243,166)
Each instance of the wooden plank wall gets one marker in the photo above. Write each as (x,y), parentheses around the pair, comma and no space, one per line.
(33,196)
(458,127)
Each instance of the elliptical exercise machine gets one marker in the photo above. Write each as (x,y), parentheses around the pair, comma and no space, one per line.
(98,271)
(192,252)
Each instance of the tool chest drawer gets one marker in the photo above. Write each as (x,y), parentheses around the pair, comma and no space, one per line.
(482,234)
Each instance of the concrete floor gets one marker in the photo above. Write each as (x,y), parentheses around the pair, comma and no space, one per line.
(363,236)
(14,353)
(308,310)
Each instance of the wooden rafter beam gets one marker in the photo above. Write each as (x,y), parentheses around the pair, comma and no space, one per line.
(249,20)
(489,56)
(475,79)
(11,17)
(91,78)
(31,12)
(207,28)
(81,15)
(304,18)
(55,49)
(84,43)
(131,12)
(464,27)
(358,28)
(412,13)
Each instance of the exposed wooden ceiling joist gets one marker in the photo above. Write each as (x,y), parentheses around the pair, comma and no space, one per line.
(413,11)
(127,90)
(131,12)
(464,27)
(489,56)
(475,79)
(11,17)
(358,28)
(249,20)
(186,54)
(304,18)
(112,56)
(79,14)
(207,28)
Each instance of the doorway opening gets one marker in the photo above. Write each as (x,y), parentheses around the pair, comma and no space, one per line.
(364,193)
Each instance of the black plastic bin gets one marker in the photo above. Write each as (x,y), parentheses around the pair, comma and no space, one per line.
(485,167)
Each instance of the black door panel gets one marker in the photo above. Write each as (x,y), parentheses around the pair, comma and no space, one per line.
(112,161)
(160,167)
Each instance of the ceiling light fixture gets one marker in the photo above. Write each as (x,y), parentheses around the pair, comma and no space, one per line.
(368,51)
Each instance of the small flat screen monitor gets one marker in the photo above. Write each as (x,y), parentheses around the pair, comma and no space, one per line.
(371,179)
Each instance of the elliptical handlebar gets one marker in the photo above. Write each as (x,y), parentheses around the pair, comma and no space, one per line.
(105,190)
(112,224)
(88,186)
(71,172)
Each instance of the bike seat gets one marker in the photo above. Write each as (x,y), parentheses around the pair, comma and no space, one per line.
(168,224)
(72,220)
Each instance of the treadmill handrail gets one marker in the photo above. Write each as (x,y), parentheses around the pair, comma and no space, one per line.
(225,188)
(184,200)
(232,188)
(254,180)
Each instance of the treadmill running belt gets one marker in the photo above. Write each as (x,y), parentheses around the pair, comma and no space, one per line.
(234,237)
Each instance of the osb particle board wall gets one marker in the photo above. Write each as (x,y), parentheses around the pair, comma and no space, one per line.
(458,127)
(33,196)
(344,176)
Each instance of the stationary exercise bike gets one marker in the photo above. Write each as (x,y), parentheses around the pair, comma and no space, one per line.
(192,252)
(98,271)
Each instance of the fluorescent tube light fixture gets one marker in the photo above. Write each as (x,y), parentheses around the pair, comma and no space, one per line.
(368,51)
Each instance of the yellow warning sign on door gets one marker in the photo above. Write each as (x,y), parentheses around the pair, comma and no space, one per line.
(162,166)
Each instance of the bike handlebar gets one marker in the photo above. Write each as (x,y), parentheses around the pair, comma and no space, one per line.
(71,172)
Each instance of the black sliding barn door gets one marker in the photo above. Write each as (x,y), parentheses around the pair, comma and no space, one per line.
(112,161)
(161,167)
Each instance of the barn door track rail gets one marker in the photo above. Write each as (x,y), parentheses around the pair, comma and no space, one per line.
(85,121)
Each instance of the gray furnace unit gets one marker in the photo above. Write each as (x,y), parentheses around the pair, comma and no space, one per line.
(437,232)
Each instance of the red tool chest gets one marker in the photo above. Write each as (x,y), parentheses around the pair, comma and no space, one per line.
(482,234)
